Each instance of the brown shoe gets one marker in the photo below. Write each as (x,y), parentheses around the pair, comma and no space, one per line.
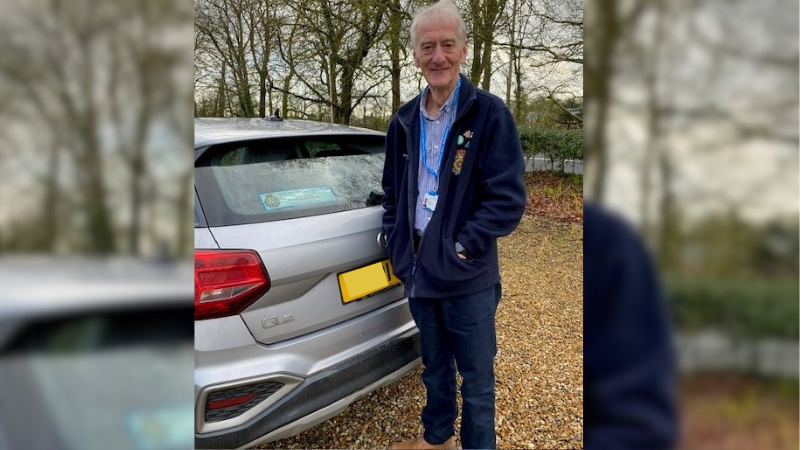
(421,443)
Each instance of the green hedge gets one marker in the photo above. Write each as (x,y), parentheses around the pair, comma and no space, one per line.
(763,309)
(558,145)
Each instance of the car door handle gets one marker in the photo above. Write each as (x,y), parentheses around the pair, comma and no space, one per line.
(382,240)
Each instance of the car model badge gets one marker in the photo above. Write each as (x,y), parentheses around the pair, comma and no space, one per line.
(272,321)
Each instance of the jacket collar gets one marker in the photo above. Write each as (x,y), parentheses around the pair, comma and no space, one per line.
(408,114)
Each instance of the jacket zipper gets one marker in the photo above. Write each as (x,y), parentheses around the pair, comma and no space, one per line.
(409,148)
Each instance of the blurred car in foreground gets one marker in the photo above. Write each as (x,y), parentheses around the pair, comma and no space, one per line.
(297,311)
(95,353)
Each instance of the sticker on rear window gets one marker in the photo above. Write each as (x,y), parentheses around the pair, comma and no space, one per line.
(274,201)
(162,429)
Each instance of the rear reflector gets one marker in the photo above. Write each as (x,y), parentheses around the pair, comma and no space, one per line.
(230,402)
(234,401)
(227,281)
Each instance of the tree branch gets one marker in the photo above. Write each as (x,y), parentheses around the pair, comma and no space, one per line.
(302,97)
(561,107)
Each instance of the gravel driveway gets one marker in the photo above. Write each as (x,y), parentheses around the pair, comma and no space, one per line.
(539,365)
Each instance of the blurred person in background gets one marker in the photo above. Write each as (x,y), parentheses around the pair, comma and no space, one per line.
(454,183)
(96,324)
(692,136)
(629,370)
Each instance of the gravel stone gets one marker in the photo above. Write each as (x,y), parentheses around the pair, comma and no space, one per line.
(539,363)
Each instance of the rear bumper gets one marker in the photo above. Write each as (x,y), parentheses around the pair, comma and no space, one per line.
(322,395)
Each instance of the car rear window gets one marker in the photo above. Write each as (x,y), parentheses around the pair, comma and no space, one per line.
(106,379)
(92,332)
(277,179)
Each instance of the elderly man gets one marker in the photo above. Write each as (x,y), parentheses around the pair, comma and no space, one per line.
(454,183)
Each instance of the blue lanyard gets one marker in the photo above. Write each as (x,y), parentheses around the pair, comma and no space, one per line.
(423,147)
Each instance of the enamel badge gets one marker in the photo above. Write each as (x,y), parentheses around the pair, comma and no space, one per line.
(462,152)
(459,161)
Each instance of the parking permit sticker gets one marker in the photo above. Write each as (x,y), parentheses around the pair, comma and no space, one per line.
(294,198)
(162,429)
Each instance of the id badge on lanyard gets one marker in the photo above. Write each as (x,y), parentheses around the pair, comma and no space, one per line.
(429,201)
(432,197)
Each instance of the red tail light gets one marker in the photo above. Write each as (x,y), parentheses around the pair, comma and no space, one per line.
(227,281)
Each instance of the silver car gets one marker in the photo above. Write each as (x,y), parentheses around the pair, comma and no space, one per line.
(297,311)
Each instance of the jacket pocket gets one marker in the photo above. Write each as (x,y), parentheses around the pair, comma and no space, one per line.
(402,260)
(465,267)
(440,272)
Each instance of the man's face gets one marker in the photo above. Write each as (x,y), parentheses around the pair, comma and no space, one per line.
(439,53)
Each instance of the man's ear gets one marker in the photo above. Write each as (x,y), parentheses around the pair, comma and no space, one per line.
(464,53)
(414,57)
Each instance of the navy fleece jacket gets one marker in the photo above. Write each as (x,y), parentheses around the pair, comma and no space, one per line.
(481,196)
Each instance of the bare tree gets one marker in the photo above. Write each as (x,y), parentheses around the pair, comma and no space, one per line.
(610,23)
(485,16)
(336,37)
(241,34)
(138,93)
(397,42)
(50,57)
(337,56)
(222,23)
(706,84)
(544,40)
(94,78)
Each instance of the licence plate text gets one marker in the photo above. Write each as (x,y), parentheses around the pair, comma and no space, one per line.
(360,283)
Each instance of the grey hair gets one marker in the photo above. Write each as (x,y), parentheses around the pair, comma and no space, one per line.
(443,10)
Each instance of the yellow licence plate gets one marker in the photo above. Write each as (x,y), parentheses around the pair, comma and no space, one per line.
(367,280)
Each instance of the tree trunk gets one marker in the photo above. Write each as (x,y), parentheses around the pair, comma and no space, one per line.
(599,71)
(487,64)
(222,94)
(519,98)
(287,83)
(137,174)
(345,110)
(51,203)
(270,99)
(511,52)
(655,123)
(477,41)
(262,95)
(668,214)
(395,26)
(101,232)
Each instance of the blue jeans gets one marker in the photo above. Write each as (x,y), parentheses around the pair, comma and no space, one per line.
(458,332)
